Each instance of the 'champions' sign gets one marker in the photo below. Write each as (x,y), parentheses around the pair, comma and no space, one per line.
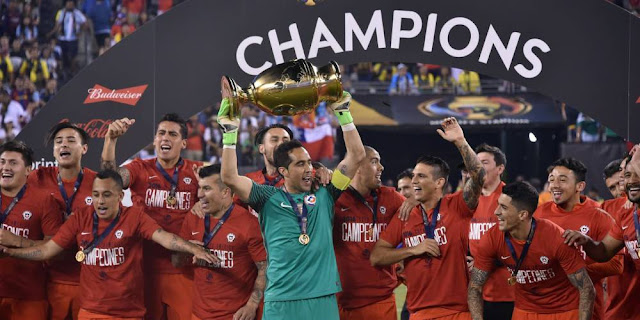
(405,25)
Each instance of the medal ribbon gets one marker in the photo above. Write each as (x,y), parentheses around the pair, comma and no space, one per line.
(519,261)
(374,209)
(208,236)
(69,200)
(13,203)
(270,182)
(430,226)
(174,180)
(97,239)
(637,224)
(302,216)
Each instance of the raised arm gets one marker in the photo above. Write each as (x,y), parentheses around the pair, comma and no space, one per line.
(248,311)
(175,243)
(474,293)
(600,251)
(108,161)
(40,252)
(355,149)
(240,185)
(580,279)
(452,132)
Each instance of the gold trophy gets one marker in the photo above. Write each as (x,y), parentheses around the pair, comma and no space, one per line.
(287,89)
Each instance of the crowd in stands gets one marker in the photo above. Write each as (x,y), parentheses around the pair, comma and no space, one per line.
(43,44)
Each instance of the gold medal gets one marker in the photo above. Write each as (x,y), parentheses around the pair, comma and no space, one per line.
(511,281)
(80,256)
(171,200)
(304,239)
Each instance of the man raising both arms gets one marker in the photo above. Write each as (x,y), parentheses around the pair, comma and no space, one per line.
(296,221)
(167,188)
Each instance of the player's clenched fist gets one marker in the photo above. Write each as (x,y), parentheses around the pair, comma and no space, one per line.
(119,127)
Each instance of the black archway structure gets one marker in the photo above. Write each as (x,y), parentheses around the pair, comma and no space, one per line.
(583,52)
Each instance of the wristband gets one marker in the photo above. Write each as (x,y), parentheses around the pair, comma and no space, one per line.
(230,138)
(344,117)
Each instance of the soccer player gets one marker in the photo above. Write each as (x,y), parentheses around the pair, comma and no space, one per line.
(267,140)
(498,295)
(404,183)
(234,287)
(110,240)
(296,221)
(613,178)
(435,237)
(622,290)
(362,212)
(542,269)
(28,216)
(71,184)
(167,188)
(571,210)
(623,234)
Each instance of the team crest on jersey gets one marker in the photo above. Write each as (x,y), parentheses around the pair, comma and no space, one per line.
(88,201)
(383,209)
(584,229)
(119,234)
(310,200)
(231,237)
(187,180)
(544,260)
(26,215)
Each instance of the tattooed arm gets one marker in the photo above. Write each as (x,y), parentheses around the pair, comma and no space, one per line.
(248,311)
(108,161)
(40,252)
(474,293)
(452,132)
(580,279)
(175,243)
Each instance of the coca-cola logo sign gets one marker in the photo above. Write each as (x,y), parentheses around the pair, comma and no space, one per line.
(95,128)
(129,96)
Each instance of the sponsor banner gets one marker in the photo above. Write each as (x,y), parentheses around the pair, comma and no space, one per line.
(128,96)
(582,57)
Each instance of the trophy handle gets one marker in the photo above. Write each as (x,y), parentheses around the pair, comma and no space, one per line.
(233,92)
(329,82)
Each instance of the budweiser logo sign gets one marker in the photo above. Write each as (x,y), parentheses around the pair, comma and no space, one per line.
(128,96)
(95,128)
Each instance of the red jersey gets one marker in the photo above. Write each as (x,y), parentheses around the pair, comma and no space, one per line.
(67,270)
(353,240)
(542,282)
(624,230)
(111,280)
(484,217)
(220,290)
(622,290)
(588,218)
(150,189)
(427,277)
(33,217)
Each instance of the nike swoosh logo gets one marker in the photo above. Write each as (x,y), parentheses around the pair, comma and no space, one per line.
(504,258)
(194,233)
(151,177)
(84,233)
(344,209)
(282,204)
(625,227)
